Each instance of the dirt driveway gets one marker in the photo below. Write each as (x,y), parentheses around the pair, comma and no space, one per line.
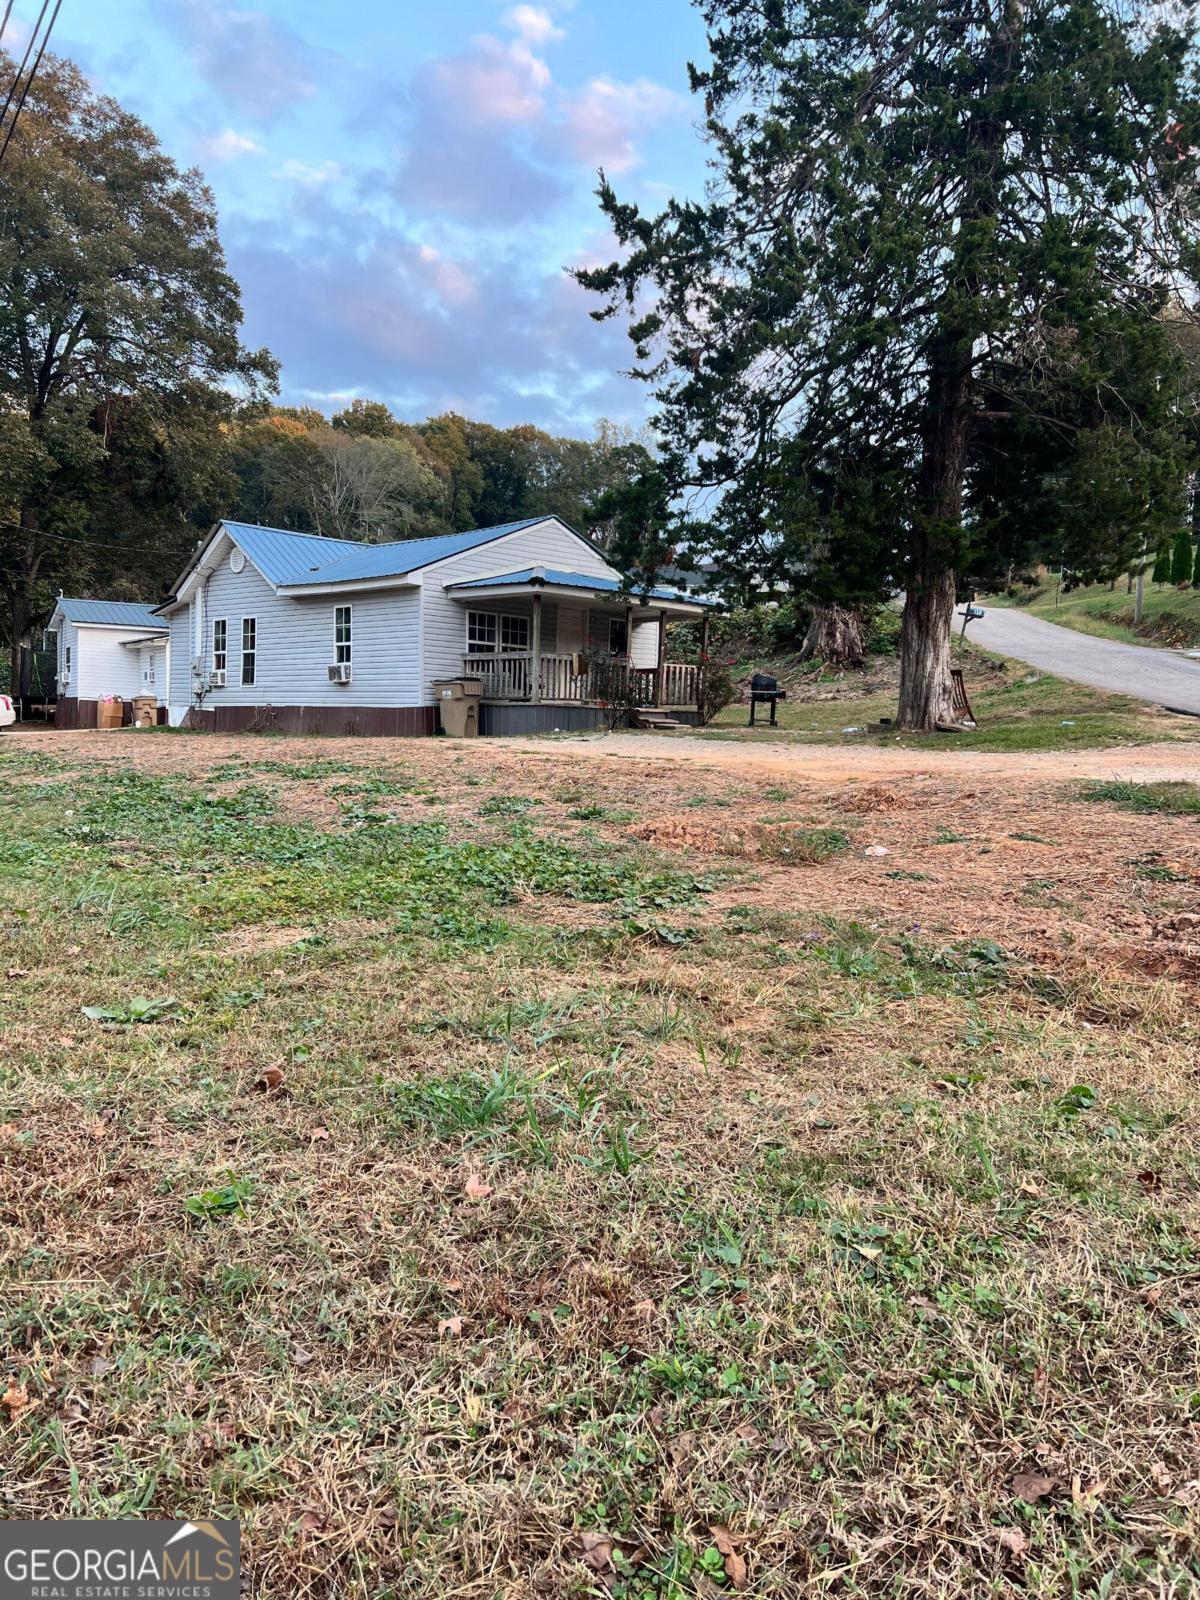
(834,763)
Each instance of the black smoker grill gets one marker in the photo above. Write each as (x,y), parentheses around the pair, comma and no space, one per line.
(764,691)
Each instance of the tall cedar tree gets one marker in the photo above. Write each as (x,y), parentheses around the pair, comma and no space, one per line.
(120,357)
(911,200)
(1162,563)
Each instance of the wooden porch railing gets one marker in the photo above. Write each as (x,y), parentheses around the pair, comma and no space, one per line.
(509,676)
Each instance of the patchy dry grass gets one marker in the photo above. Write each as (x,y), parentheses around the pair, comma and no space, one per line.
(510,1205)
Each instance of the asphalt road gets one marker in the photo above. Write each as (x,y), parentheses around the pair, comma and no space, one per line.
(1158,676)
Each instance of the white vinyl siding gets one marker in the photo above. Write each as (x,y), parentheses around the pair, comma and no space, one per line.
(294,644)
(100,663)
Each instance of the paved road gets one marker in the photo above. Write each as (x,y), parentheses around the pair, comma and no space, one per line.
(1160,676)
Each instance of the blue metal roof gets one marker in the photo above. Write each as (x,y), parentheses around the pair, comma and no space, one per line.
(294,559)
(114,613)
(577,580)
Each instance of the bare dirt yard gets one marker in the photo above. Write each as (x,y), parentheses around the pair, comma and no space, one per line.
(633,1166)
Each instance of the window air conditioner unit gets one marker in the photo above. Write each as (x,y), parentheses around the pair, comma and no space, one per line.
(216,678)
(340,672)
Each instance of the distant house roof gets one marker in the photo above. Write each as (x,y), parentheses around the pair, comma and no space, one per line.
(111,613)
(575,580)
(295,560)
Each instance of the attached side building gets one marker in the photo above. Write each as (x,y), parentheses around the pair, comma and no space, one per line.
(272,629)
(106,649)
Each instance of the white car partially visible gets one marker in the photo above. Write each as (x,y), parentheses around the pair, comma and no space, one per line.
(7,715)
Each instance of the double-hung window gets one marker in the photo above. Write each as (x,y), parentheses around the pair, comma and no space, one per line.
(220,648)
(249,649)
(342,639)
(66,661)
(481,633)
(514,634)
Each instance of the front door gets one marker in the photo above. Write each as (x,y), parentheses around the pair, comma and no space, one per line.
(572,630)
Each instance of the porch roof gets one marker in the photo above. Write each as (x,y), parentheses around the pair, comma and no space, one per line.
(550,580)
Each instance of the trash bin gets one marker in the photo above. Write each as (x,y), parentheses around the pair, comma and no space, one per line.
(145,711)
(458,702)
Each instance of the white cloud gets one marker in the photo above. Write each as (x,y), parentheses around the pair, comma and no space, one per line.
(228,145)
(535,25)
(600,122)
(304,172)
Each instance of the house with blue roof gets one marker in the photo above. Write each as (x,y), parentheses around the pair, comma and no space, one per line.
(106,649)
(270,629)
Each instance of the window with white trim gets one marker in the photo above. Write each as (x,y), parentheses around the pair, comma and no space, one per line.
(618,636)
(249,649)
(342,635)
(66,661)
(220,648)
(514,633)
(481,633)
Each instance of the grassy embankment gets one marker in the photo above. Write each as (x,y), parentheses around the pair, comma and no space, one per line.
(1171,617)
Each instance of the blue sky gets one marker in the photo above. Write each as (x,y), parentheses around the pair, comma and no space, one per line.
(400,184)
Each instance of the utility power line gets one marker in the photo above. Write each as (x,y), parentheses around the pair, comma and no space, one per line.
(45,40)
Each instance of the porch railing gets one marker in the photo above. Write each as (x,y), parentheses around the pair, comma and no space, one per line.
(509,676)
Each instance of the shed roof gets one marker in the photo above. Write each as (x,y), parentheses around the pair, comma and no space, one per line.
(111,613)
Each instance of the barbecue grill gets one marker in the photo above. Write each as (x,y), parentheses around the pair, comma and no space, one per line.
(764,691)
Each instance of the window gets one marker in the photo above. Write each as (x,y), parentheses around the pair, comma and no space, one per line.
(481,632)
(341,635)
(220,644)
(66,661)
(514,633)
(618,636)
(249,648)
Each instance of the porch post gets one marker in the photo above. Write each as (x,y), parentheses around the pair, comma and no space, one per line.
(535,688)
(660,673)
(703,660)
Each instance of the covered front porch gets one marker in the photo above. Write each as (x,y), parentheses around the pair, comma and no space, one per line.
(567,639)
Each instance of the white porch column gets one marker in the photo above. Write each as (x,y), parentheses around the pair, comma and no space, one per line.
(535,690)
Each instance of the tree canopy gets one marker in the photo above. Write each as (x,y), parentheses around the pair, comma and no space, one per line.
(120,353)
(926,293)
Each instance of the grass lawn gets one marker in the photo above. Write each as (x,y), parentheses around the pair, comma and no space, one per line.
(1017,707)
(1171,616)
(504,1175)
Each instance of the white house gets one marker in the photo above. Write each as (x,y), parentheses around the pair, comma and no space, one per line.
(271,629)
(106,648)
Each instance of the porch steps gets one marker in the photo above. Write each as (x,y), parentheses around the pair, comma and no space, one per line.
(650,717)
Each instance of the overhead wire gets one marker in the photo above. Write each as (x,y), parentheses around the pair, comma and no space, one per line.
(12,127)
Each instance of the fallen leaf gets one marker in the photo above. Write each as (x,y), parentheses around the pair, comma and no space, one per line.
(1151,1182)
(17,972)
(301,1356)
(475,1188)
(1025,1187)
(644,1309)
(99,1366)
(735,1562)
(682,1449)
(1032,1486)
(453,1285)
(1160,1477)
(451,1325)
(1013,1540)
(1152,1294)
(597,1551)
(387,1517)
(15,1397)
(314,1522)
(868,1252)
(8,1130)
(1085,1492)
(270,1080)
(319,1134)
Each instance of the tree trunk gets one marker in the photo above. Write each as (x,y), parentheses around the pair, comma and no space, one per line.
(926,692)
(835,635)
